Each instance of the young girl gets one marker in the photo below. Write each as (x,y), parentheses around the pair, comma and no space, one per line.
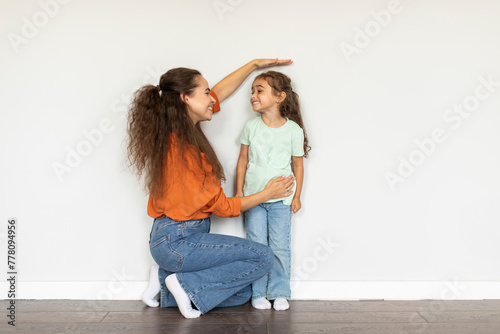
(271,145)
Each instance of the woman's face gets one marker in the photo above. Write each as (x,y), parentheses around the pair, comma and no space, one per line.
(200,102)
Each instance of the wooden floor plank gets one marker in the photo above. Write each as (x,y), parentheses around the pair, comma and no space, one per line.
(138,328)
(459,316)
(268,317)
(327,306)
(65,317)
(79,305)
(412,305)
(423,328)
(370,317)
(464,328)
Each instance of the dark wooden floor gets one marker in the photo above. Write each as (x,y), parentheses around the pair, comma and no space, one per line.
(374,317)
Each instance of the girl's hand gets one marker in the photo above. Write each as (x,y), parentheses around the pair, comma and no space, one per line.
(296,205)
(280,187)
(239,194)
(260,63)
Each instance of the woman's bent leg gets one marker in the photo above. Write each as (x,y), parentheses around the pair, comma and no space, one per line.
(239,298)
(166,297)
(210,268)
(220,266)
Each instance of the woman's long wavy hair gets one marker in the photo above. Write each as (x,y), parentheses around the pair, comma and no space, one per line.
(155,114)
(290,107)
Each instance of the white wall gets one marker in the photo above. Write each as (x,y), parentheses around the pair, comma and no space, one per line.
(69,68)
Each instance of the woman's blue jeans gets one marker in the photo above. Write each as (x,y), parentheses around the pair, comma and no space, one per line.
(270,224)
(213,269)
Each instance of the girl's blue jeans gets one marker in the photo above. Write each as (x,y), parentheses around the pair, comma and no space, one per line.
(213,269)
(270,224)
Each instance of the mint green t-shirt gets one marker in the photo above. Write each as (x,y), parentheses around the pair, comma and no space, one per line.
(270,152)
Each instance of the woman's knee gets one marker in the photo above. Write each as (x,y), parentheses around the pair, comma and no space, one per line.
(268,259)
(264,255)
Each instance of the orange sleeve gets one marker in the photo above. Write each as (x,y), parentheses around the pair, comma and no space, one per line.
(223,206)
(189,193)
(216,107)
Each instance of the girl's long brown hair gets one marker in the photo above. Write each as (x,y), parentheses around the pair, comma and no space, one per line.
(155,114)
(290,107)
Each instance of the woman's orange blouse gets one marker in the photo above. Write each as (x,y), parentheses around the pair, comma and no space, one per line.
(190,192)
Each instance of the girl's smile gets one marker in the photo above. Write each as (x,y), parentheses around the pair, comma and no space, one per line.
(262,98)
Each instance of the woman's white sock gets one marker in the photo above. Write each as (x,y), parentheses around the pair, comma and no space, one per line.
(149,296)
(261,303)
(182,299)
(281,304)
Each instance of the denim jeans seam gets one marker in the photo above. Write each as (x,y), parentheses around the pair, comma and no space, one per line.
(224,283)
(237,278)
(221,246)
(258,296)
(192,296)
(177,254)
(157,242)
(162,225)
(276,296)
(267,286)
(198,225)
(163,292)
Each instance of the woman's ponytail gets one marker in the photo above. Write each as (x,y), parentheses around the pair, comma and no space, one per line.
(144,132)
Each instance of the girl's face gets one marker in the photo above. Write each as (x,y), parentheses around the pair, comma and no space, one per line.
(263,98)
(200,102)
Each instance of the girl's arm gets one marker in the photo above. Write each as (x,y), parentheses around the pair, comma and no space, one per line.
(241,169)
(298,170)
(224,88)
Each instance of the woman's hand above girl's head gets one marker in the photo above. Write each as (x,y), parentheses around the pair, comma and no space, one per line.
(259,63)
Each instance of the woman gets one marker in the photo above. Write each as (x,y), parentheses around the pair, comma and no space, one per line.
(183,175)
